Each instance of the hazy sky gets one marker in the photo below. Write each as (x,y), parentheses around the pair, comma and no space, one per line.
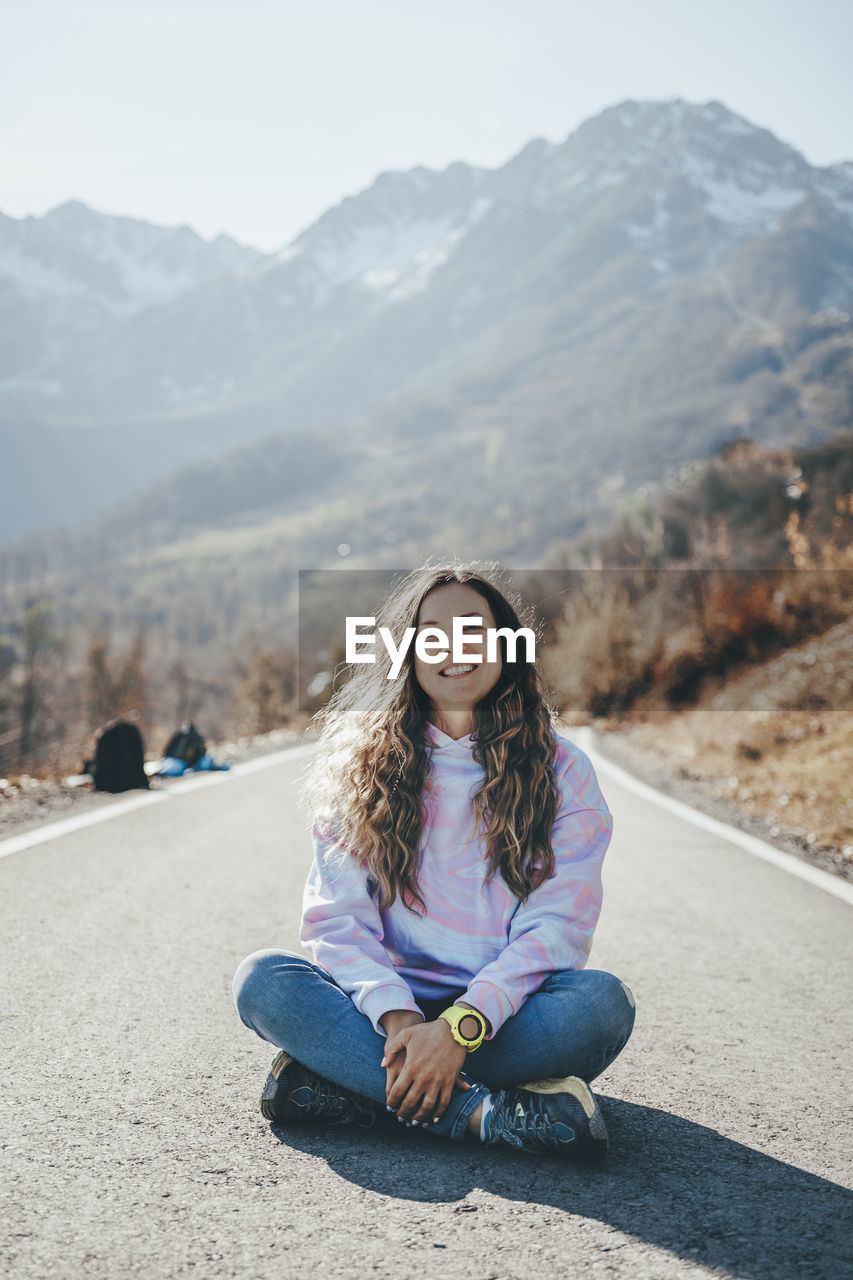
(253,116)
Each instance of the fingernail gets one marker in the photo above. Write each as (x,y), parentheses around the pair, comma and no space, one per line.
(387,1108)
(436,1119)
(415,1123)
(382,1063)
(399,1119)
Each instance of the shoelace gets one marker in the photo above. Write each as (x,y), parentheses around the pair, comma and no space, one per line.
(531,1124)
(330,1104)
(324,1100)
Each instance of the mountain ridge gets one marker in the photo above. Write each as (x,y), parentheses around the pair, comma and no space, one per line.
(544,296)
(385,243)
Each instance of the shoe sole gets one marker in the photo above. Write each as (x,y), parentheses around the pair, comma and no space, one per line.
(279,1064)
(580,1090)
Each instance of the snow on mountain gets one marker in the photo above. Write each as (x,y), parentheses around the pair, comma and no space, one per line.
(73,273)
(122,263)
(396,260)
(688,182)
(391,237)
(835,184)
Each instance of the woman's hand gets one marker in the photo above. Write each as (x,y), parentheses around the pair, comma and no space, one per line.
(393,1022)
(422,1064)
(396,1019)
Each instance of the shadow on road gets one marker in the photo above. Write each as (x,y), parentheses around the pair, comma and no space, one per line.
(669,1182)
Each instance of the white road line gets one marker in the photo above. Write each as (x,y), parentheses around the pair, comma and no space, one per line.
(181,787)
(582,735)
(15,844)
(839,888)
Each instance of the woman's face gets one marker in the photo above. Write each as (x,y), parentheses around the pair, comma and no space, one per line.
(459,687)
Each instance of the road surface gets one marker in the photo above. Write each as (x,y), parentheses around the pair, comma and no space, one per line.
(132,1141)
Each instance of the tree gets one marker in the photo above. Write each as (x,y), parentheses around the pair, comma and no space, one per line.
(40,651)
(8,730)
(269,688)
(117,687)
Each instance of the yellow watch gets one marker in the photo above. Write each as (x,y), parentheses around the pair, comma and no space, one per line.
(454,1015)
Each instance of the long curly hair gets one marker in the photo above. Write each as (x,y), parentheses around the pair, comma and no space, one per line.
(366,786)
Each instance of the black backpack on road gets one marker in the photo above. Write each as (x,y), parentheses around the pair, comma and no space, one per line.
(119,758)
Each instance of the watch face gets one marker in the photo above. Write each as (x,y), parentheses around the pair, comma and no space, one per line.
(481,1026)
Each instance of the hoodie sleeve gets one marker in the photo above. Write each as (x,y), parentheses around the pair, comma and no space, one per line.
(553,929)
(342,928)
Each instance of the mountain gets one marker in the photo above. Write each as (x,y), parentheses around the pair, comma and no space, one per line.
(69,276)
(668,277)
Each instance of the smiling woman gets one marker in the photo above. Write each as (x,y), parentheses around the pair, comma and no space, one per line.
(450,907)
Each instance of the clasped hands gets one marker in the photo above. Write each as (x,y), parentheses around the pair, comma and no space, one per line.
(422,1064)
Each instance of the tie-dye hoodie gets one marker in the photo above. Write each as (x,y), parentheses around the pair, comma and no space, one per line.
(476,935)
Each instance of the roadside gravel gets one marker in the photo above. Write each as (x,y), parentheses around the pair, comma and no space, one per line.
(631,748)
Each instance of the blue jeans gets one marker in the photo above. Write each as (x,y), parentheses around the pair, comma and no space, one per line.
(574,1025)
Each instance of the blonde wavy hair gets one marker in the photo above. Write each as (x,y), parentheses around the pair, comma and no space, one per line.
(365,788)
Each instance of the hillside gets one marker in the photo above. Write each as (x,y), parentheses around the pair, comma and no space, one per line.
(771,751)
(723,566)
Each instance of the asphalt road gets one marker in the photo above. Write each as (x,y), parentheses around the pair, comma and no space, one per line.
(132,1144)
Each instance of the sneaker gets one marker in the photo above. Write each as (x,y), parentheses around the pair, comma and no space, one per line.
(294,1095)
(559,1115)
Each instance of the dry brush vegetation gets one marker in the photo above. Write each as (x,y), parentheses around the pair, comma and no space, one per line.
(739,677)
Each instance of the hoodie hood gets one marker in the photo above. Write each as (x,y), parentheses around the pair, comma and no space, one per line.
(442,741)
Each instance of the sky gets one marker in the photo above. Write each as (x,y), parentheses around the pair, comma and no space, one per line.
(253,117)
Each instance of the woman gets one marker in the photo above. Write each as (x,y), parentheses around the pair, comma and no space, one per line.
(456,883)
